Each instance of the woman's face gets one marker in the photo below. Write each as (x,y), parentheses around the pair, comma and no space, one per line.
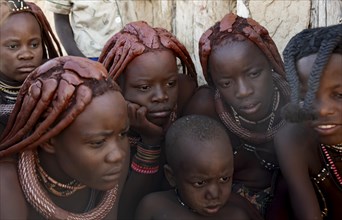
(243,76)
(94,148)
(21,49)
(151,80)
(328,102)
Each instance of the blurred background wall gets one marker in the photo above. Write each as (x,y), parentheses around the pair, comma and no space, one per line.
(188,19)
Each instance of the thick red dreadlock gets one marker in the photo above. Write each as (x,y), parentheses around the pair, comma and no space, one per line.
(137,38)
(50,99)
(235,28)
(49,40)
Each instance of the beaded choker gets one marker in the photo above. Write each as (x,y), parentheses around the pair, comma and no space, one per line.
(330,163)
(55,187)
(40,200)
(11,92)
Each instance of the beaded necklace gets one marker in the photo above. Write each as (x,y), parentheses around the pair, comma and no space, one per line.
(10,92)
(55,187)
(330,163)
(40,200)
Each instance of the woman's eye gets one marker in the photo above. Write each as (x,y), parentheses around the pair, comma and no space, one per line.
(34,45)
(338,95)
(226,84)
(12,46)
(123,134)
(199,183)
(255,74)
(172,83)
(97,144)
(143,88)
(224,179)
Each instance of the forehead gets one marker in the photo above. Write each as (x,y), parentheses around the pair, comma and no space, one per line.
(19,22)
(153,63)
(239,52)
(205,155)
(105,111)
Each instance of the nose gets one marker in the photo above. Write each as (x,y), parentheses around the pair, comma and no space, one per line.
(117,152)
(160,94)
(244,89)
(324,107)
(25,53)
(213,192)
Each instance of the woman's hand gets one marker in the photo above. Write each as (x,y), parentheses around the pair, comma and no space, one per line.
(149,132)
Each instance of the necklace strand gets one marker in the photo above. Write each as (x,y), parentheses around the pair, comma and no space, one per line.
(40,200)
(55,187)
(332,167)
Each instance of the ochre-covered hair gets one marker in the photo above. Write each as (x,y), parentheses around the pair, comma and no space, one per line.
(235,28)
(51,46)
(50,99)
(137,38)
(323,41)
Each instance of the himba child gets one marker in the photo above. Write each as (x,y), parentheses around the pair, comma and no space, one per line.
(65,150)
(26,40)
(246,90)
(200,169)
(309,147)
(143,61)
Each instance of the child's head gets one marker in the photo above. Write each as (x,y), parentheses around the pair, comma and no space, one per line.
(241,61)
(70,109)
(142,59)
(199,163)
(313,61)
(26,39)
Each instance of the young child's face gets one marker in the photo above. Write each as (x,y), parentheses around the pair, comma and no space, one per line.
(21,49)
(328,102)
(151,80)
(242,74)
(94,148)
(204,181)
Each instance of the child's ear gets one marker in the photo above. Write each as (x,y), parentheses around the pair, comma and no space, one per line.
(48,147)
(169,175)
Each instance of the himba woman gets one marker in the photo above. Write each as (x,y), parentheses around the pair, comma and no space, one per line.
(143,60)
(310,148)
(26,40)
(64,152)
(246,90)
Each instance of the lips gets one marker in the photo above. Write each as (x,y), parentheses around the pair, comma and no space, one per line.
(212,209)
(160,114)
(250,108)
(112,175)
(327,129)
(26,69)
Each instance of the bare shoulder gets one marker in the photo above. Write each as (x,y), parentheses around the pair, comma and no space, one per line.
(12,201)
(238,207)
(202,102)
(151,204)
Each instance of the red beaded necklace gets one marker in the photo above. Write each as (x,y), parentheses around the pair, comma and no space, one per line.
(331,165)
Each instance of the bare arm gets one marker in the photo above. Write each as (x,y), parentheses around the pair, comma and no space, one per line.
(66,35)
(12,200)
(293,160)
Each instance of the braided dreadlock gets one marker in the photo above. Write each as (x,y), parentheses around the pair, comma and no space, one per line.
(50,99)
(234,28)
(323,41)
(137,38)
(49,40)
